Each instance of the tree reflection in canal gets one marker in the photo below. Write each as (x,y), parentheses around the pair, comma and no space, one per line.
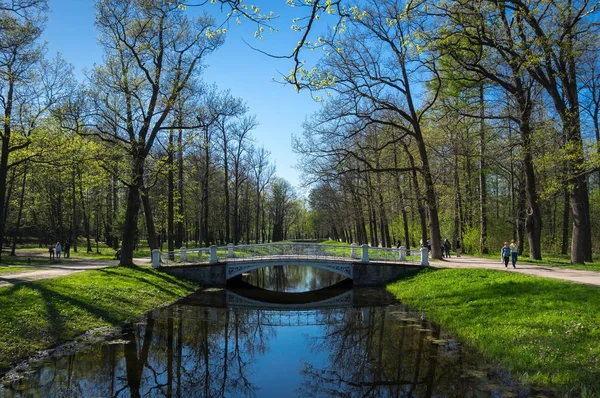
(198,348)
(292,278)
(391,352)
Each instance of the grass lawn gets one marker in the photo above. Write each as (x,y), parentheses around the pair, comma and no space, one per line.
(546,332)
(39,315)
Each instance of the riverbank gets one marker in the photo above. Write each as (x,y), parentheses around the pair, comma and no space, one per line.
(545,332)
(41,314)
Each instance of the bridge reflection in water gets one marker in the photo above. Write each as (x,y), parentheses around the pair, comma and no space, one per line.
(208,345)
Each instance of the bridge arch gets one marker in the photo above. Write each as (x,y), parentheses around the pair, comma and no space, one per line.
(235,268)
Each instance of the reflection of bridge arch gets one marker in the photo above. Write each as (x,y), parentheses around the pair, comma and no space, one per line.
(238,267)
(335,296)
(238,301)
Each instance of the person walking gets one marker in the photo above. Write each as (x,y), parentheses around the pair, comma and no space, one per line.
(51,251)
(505,254)
(447,247)
(458,247)
(67,250)
(514,252)
(58,250)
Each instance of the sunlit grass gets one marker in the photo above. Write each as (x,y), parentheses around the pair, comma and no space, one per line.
(41,314)
(545,331)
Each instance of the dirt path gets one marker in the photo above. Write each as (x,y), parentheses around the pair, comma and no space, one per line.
(66,267)
(578,276)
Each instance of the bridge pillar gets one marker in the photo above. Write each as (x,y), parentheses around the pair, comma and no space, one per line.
(230,250)
(424,256)
(354,246)
(213,254)
(365,253)
(183,254)
(402,253)
(155,258)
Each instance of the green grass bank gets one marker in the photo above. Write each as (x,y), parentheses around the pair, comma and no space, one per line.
(545,332)
(38,315)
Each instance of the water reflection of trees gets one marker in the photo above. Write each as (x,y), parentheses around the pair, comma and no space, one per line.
(183,352)
(292,278)
(187,351)
(377,352)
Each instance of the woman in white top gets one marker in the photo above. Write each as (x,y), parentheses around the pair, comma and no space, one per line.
(58,250)
(514,251)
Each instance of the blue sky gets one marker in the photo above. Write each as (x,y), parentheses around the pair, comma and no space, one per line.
(247,73)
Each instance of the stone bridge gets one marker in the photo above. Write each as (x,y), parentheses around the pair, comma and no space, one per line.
(364,265)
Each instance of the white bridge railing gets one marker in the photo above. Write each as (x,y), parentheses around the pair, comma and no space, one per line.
(301,251)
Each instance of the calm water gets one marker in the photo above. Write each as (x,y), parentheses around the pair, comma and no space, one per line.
(335,342)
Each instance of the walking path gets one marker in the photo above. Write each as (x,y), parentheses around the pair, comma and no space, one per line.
(578,276)
(71,266)
(65,267)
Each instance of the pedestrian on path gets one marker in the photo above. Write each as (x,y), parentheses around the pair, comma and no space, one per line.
(58,250)
(67,250)
(447,248)
(458,247)
(505,254)
(51,251)
(514,252)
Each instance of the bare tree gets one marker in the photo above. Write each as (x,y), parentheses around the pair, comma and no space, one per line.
(152,50)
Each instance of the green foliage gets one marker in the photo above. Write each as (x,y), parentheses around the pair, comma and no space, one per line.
(470,242)
(41,314)
(544,331)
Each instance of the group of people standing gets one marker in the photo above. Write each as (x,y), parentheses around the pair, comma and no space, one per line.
(57,249)
(446,246)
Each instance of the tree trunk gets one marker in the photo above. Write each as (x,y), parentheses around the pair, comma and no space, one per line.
(86,217)
(179,228)
(74,221)
(419,198)
(564,247)
(482,177)
(20,214)
(11,186)
(534,217)
(205,192)
(132,210)
(457,230)
(521,216)
(4,153)
(152,238)
(170,194)
(226,191)
(256,228)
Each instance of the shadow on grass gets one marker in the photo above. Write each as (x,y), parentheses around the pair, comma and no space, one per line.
(150,273)
(46,313)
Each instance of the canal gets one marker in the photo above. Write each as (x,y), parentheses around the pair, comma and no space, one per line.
(326,340)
